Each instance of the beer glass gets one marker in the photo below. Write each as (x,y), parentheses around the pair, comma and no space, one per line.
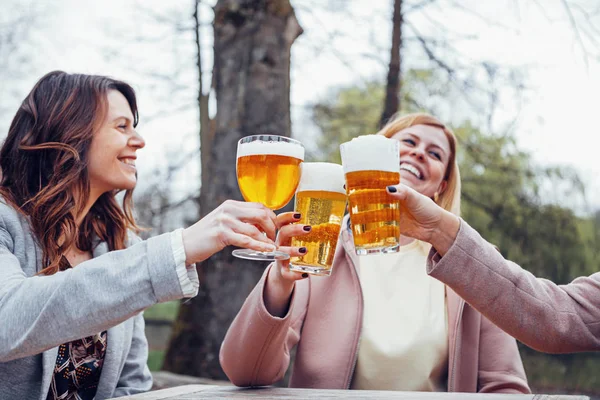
(268,172)
(371,163)
(321,199)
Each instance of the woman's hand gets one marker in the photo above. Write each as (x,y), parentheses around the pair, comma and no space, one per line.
(280,281)
(233,223)
(424,220)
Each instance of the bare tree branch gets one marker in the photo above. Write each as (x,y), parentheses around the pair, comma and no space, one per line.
(488,21)
(576,32)
(418,6)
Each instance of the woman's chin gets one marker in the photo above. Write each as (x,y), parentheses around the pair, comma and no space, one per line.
(410,183)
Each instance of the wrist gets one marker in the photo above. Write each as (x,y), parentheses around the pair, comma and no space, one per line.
(444,234)
(195,250)
(277,293)
(278,284)
(186,247)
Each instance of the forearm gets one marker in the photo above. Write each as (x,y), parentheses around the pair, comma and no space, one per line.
(41,312)
(255,350)
(537,312)
(277,295)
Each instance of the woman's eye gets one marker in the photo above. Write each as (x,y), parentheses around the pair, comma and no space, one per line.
(409,141)
(123,127)
(436,155)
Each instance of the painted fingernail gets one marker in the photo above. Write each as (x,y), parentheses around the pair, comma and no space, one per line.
(392,189)
(307,228)
(305,275)
(297,215)
(302,250)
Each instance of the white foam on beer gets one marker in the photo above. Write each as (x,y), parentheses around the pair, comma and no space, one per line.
(323,176)
(275,148)
(371,153)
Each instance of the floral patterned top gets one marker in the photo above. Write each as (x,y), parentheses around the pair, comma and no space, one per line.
(78,367)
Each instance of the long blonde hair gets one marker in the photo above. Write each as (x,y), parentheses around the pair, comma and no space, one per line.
(449,199)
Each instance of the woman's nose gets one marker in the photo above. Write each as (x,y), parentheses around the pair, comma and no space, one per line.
(137,141)
(418,152)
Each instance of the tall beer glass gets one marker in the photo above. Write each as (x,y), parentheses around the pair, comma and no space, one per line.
(268,172)
(371,163)
(321,199)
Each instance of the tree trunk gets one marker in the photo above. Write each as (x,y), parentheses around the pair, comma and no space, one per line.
(252,46)
(392,89)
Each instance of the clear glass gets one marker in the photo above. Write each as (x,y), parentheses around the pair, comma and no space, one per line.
(371,163)
(268,172)
(321,200)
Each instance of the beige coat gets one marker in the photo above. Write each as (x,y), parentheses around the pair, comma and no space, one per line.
(546,316)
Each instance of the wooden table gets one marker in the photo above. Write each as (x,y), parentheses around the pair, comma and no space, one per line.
(194,392)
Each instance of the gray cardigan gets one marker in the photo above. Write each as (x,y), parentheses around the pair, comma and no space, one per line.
(109,292)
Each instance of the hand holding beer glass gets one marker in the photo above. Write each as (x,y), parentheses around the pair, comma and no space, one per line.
(321,202)
(268,172)
(371,163)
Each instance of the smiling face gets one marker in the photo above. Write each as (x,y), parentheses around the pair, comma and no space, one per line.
(424,156)
(113,149)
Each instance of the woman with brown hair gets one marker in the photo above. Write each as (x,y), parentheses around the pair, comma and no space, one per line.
(74,278)
(378,322)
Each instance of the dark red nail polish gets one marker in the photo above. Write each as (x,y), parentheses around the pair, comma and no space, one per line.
(302,250)
(297,215)
(307,228)
(305,275)
(392,189)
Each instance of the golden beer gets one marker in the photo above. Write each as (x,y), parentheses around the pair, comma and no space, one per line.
(324,212)
(268,172)
(268,179)
(321,200)
(371,163)
(374,214)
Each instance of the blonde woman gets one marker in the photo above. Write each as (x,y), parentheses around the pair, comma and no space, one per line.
(378,322)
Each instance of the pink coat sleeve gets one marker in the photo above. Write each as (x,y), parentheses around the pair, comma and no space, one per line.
(545,316)
(256,348)
(500,366)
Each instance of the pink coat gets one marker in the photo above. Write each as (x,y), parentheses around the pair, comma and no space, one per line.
(546,316)
(324,321)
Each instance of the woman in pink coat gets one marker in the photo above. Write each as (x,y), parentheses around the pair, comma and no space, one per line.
(378,322)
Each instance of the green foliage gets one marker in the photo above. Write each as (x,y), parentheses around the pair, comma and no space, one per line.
(351,112)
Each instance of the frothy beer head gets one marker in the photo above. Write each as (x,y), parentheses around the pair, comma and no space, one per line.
(371,153)
(321,176)
(259,148)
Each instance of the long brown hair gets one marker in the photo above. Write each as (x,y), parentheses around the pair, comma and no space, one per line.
(44,164)
(449,199)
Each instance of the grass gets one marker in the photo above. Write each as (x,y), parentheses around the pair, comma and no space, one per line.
(155,359)
(163,311)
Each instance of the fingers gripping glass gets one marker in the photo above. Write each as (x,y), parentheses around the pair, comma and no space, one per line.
(268,172)
(321,200)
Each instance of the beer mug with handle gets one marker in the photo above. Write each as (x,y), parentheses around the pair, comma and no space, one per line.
(371,163)
(321,200)
(268,172)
